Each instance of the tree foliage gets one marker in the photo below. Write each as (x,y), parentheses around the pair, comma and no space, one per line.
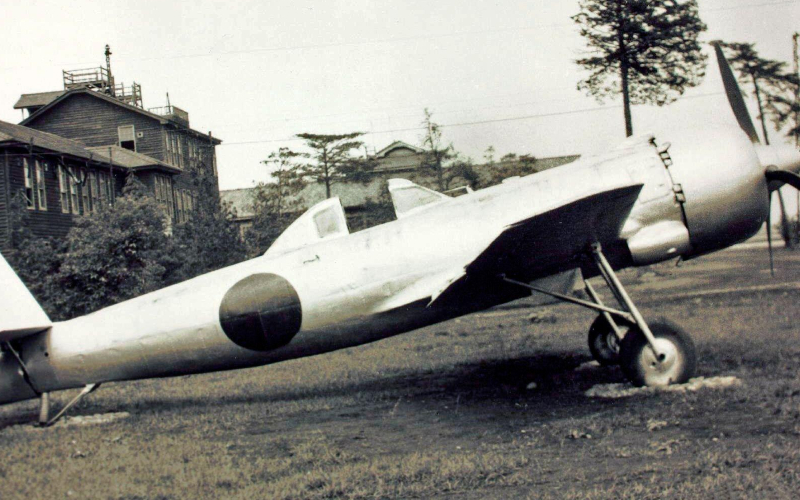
(510,165)
(646,50)
(774,86)
(334,159)
(276,203)
(436,154)
(115,254)
(209,239)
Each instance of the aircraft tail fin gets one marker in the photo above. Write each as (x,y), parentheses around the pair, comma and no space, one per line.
(20,314)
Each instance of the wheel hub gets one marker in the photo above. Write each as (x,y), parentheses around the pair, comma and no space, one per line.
(665,368)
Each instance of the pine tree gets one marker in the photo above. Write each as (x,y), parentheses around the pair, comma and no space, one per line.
(774,87)
(646,50)
(334,160)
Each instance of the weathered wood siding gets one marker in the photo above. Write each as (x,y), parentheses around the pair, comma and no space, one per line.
(94,122)
(5,228)
(50,222)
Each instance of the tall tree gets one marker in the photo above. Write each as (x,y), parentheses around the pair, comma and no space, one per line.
(334,159)
(436,154)
(774,87)
(646,50)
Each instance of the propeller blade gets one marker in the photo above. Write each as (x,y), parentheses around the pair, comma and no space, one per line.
(769,237)
(787,238)
(735,96)
(789,178)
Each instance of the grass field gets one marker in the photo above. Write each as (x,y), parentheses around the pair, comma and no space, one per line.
(451,411)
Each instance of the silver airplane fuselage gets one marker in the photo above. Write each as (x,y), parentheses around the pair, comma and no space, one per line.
(705,192)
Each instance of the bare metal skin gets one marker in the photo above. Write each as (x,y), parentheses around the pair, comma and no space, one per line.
(319,288)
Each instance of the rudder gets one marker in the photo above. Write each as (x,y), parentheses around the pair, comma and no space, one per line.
(20,313)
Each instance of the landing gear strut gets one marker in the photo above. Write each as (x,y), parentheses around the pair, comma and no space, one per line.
(659,355)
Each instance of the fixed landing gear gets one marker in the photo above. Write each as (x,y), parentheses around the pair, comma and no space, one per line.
(660,354)
(605,339)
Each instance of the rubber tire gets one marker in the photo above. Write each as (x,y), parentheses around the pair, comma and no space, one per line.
(598,345)
(634,343)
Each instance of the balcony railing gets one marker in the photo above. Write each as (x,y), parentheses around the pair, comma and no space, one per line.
(89,77)
(173,113)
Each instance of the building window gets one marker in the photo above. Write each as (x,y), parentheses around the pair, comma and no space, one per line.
(127,137)
(93,194)
(63,183)
(73,194)
(179,202)
(85,192)
(28,184)
(41,186)
(105,187)
(162,185)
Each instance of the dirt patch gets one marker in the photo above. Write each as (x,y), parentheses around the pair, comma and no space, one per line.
(626,390)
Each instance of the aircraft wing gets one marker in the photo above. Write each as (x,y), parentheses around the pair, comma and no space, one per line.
(552,241)
(544,245)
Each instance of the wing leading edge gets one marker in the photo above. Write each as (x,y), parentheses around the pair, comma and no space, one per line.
(544,245)
(550,242)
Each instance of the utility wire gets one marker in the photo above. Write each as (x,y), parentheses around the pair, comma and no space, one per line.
(476,122)
(398,39)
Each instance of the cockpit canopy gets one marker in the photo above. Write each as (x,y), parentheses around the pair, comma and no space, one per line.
(323,221)
(409,198)
(326,220)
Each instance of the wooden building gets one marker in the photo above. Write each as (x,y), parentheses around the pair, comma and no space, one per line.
(399,156)
(103,115)
(57,179)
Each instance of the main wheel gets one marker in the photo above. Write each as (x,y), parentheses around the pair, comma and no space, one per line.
(639,363)
(603,341)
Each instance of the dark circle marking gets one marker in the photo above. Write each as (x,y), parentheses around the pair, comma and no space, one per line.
(261,312)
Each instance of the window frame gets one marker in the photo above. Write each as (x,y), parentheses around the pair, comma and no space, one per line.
(132,128)
(29,192)
(63,188)
(40,167)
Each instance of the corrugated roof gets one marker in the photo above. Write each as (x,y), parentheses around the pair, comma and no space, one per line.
(130,159)
(37,99)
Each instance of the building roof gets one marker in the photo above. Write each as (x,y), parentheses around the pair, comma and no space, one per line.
(37,99)
(240,200)
(39,139)
(115,155)
(99,95)
(397,145)
(352,195)
(131,159)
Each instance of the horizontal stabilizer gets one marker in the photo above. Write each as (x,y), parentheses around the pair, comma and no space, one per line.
(20,314)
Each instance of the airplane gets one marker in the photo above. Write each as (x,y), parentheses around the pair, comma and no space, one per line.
(319,288)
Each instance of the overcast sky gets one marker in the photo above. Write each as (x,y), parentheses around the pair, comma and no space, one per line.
(256,73)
